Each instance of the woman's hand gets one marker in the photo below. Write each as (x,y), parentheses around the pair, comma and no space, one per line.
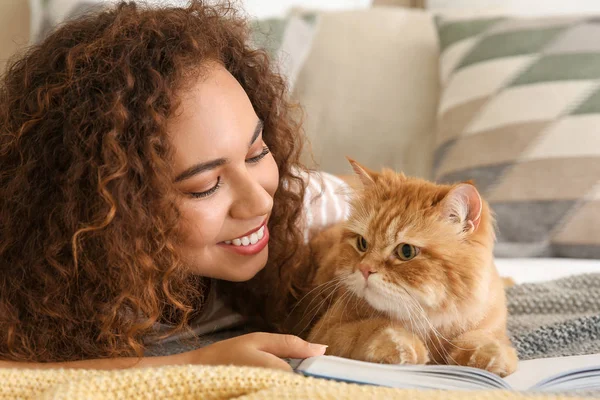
(253,349)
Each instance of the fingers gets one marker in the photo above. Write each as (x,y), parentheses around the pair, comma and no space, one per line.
(266,360)
(288,346)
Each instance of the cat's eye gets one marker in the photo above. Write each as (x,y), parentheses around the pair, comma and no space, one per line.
(406,251)
(361,244)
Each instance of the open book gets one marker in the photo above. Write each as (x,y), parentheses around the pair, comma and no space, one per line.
(548,374)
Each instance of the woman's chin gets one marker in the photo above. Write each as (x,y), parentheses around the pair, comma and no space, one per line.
(242,272)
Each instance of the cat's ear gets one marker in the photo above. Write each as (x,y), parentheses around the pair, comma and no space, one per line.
(367,177)
(462,205)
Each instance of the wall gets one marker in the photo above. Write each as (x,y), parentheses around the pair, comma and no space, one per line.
(14,28)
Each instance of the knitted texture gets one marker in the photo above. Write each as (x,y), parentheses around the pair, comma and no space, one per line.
(555,318)
(547,319)
(201,382)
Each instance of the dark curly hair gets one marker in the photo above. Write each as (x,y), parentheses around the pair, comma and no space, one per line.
(88,256)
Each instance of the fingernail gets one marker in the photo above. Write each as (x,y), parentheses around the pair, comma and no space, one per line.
(320,347)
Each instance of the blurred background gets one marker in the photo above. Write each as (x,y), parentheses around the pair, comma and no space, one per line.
(505,93)
(21,20)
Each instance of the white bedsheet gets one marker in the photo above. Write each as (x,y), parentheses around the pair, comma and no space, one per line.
(544,269)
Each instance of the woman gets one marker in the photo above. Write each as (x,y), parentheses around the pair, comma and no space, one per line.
(147,156)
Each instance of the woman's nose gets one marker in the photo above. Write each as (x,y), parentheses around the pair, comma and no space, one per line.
(252,200)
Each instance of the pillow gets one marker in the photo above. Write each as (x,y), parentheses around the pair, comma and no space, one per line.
(399,3)
(369,88)
(288,40)
(515,7)
(46,14)
(520,115)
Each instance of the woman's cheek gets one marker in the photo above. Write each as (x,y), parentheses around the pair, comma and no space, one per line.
(270,175)
(203,221)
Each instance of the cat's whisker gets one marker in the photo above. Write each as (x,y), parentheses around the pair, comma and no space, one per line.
(345,300)
(433,335)
(333,290)
(330,307)
(322,288)
(330,297)
(423,333)
(438,335)
(346,297)
(357,302)
(330,285)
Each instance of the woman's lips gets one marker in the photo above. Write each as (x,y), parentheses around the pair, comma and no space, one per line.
(244,245)
(253,230)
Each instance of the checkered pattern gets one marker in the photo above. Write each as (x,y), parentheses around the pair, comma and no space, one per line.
(520,115)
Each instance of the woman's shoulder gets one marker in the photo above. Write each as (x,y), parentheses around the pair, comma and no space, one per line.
(326,201)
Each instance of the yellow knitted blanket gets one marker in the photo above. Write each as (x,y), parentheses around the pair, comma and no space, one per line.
(202,382)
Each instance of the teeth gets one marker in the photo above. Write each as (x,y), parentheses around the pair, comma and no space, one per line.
(253,238)
(248,240)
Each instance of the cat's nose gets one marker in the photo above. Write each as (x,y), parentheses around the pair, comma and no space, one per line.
(366,270)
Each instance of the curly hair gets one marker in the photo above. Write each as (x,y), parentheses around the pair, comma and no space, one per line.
(88,257)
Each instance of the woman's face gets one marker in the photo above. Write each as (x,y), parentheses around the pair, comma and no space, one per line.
(227,176)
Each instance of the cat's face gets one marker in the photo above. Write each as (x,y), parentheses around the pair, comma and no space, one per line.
(412,246)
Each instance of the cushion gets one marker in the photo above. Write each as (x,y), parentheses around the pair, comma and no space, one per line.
(369,89)
(519,115)
(46,14)
(287,39)
(515,7)
(399,3)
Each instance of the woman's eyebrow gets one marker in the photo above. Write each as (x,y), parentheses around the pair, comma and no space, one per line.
(199,168)
(257,130)
(208,165)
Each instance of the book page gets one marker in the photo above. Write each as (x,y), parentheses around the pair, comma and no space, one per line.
(400,376)
(531,372)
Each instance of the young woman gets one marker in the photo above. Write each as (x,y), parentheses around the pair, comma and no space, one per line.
(149,174)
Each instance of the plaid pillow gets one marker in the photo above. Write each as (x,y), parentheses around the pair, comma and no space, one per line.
(288,40)
(520,115)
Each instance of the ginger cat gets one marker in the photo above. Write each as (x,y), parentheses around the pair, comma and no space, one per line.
(410,278)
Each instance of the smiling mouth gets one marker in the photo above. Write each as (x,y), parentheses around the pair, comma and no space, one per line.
(249,239)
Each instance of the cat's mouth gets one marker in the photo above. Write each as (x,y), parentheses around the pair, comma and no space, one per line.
(394,300)
(368,290)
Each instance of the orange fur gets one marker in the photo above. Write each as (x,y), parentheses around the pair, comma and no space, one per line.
(444,306)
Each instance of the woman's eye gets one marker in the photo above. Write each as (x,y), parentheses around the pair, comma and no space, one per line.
(201,195)
(406,251)
(361,244)
(259,157)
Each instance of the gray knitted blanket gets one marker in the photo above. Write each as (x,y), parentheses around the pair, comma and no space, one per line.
(555,318)
(549,319)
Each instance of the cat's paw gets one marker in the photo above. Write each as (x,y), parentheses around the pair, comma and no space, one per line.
(396,346)
(490,355)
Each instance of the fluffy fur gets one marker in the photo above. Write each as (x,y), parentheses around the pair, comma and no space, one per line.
(445,306)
